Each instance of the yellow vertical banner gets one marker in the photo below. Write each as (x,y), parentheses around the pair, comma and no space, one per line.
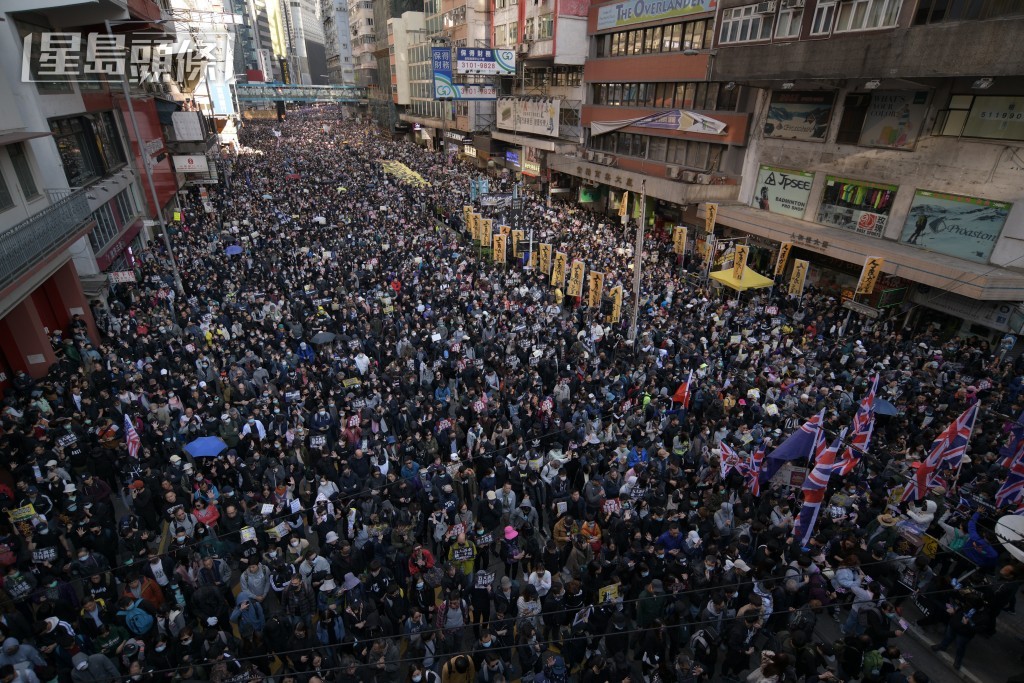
(499,248)
(679,240)
(710,216)
(505,230)
(576,273)
(545,258)
(486,230)
(558,271)
(517,237)
(739,261)
(473,230)
(467,211)
(624,204)
(798,277)
(780,262)
(869,274)
(616,303)
(595,289)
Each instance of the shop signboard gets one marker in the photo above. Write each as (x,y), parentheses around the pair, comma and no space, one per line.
(640,11)
(894,119)
(470,60)
(783,191)
(856,205)
(996,117)
(445,87)
(537,116)
(965,227)
(799,115)
(190,163)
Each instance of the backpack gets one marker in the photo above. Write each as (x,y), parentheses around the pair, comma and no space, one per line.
(703,642)
(871,664)
(138,620)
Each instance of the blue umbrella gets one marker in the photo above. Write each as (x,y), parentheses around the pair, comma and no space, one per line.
(233,250)
(883,407)
(206,447)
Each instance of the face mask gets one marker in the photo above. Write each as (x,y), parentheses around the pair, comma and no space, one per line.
(295,544)
(419,584)
(160,648)
(488,643)
(187,641)
(417,678)
(273,554)
(645,574)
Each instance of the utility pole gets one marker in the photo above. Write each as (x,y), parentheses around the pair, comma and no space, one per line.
(638,258)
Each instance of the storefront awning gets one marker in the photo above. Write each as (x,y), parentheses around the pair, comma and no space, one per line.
(750,280)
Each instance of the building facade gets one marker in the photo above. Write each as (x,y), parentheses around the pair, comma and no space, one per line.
(873,139)
(337,42)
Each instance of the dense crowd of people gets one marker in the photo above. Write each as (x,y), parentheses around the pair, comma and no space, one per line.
(440,469)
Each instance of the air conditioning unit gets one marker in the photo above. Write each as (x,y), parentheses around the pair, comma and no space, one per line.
(524,48)
(765,8)
(792,4)
(689,177)
(703,179)
(673,173)
(590,155)
(608,160)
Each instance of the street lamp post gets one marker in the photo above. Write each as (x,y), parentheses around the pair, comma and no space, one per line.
(638,258)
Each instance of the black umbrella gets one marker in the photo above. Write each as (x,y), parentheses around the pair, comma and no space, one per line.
(323,337)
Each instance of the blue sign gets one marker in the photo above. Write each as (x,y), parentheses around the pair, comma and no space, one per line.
(512,157)
(445,87)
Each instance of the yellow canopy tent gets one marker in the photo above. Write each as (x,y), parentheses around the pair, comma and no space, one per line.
(750,280)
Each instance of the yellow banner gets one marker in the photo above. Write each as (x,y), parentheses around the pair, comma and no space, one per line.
(558,270)
(499,248)
(595,289)
(796,280)
(473,230)
(710,216)
(616,303)
(505,230)
(624,204)
(517,237)
(679,240)
(486,230)
(575,287)
(869,274)
(780,263)
(739,261)
(545,259)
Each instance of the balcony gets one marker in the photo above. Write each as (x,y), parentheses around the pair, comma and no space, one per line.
(45,233)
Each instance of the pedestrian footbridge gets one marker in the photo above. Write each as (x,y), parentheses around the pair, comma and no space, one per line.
(260,92)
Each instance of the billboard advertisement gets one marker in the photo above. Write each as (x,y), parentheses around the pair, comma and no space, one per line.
(445,87)
(856,205)
(894,119)
(966,227)
(782,191)
(640,11)
(537,116)
(190,163)
(799,115)
(469,60)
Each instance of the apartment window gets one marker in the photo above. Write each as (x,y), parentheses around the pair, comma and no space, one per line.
(743,24)
(107,139)
(106,228)
(545,27)
(528,32)
(126,205)
(935,11)
(789,23)
(79,157)
(824,14)
(23,170)
(671,38)
(6,201)
(861,15)
(652,40)
(513,32)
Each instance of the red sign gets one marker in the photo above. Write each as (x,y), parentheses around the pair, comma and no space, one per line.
(111,253)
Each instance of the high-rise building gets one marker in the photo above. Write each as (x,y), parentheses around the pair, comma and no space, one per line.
(364,41)
(381,98)
(337,41)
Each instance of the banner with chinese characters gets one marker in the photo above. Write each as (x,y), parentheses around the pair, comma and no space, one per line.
(780,262)
(616,294)
(739,261)
(486,231)
(499,248)
(558,271)
(595,289)
(445,87)
(486,62)
(545,258)
(710,216)
(517,238)
(575,287)
(869,274)
(679,240)
(798,277)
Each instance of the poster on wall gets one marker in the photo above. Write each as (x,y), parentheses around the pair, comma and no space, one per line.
(782,191)
(966,227)
(1001,118)
(531,161)
(856,205)
(539,116)
(894,119)
(800,115)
